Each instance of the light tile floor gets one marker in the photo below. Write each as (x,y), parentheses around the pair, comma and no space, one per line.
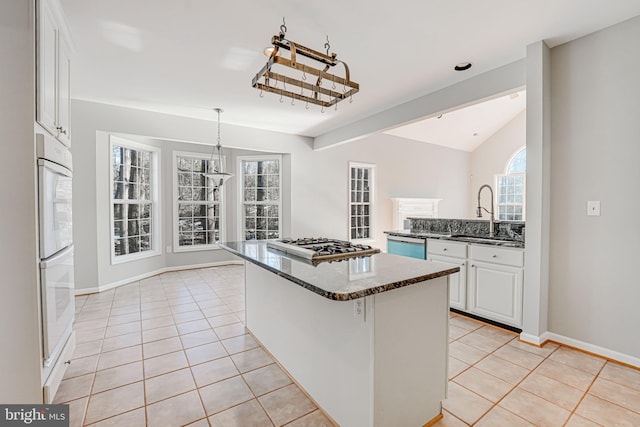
(497,381)
(172,350)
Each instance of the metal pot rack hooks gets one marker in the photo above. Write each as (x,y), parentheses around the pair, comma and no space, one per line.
(290,71)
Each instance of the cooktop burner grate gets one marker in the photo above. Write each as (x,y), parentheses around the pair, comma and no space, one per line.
(322,248)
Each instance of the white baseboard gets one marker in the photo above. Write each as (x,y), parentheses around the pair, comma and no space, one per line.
(534,339)
(106,287)
(581,345)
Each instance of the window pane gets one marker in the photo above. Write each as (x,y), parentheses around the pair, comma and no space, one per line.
(360,182)
(145,243)
(145,226)
(133,244)
(118,228)
(185,225)
(510,197)
(198,223)
(145,210)
(261,194)
(184,193)
(518,163)
(132,182)
(185,238)
(118,190)
(250,223)
(183,164)
(184,179)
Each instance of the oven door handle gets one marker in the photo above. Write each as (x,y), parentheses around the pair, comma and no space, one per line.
(57,258)
(56,168)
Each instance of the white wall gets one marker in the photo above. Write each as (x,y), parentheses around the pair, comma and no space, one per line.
(404,168)
(595,104)
(21,355)
(92,123)
(315,183)
(491,157)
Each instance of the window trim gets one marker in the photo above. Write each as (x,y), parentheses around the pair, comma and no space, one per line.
(372,201)
(241,218)
(156,231)
(524,185)
(175,229)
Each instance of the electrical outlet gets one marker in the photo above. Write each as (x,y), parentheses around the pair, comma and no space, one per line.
(593,208)
(358,308)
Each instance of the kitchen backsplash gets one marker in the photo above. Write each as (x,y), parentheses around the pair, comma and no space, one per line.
(513,230)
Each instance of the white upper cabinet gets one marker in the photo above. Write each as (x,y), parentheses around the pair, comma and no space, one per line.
(53,69)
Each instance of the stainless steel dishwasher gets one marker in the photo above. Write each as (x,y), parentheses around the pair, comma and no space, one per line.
(407,246)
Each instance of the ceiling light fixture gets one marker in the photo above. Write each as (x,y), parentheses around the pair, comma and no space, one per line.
(219,177)
(463,66)
(294,74)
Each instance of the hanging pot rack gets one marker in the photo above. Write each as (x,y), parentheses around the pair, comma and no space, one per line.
(276,82)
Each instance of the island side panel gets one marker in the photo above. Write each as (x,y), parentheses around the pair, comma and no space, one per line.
(411,350)
(319,341)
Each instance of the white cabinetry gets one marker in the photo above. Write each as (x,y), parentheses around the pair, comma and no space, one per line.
(53,70)
(455,255)
(490,282)
(495,283)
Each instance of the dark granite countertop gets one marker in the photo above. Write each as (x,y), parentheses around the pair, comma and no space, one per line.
(341,280)
(479,239)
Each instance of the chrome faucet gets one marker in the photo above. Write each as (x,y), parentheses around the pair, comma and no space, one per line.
(480,208)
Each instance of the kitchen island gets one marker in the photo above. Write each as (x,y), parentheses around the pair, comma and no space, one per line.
(366,336)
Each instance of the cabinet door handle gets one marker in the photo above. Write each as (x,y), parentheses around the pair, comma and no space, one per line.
(462,265)
(444,249)
(61,130)
(473,265)
(495,256)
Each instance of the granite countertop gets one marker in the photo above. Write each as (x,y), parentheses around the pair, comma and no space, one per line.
(480,239)
(341,280)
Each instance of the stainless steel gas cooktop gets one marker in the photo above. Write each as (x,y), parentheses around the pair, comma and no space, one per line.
(321,248)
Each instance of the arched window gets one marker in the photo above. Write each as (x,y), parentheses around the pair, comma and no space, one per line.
(511,188)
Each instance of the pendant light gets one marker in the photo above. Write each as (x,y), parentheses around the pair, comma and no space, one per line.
(220,177)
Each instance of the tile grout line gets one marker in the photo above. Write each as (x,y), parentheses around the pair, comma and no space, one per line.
(90,396)
(604,398)
(585,395)
(494,404)
(204,408)
(511,389)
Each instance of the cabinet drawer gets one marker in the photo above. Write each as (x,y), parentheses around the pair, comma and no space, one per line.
(446,248)
(497,255)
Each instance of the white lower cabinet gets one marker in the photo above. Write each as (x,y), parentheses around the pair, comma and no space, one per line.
(495,292)
(455,255)
(491,279)
(457,281)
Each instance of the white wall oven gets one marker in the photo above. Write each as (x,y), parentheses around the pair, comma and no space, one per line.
(56,245)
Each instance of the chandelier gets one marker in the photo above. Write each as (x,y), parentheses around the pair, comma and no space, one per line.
(219,177)
(301,76)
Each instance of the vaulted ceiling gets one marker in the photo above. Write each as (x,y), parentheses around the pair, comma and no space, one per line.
(186,57)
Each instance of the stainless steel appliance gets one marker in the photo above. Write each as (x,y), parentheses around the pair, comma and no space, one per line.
(407,246)
(321,248)
(56,245)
